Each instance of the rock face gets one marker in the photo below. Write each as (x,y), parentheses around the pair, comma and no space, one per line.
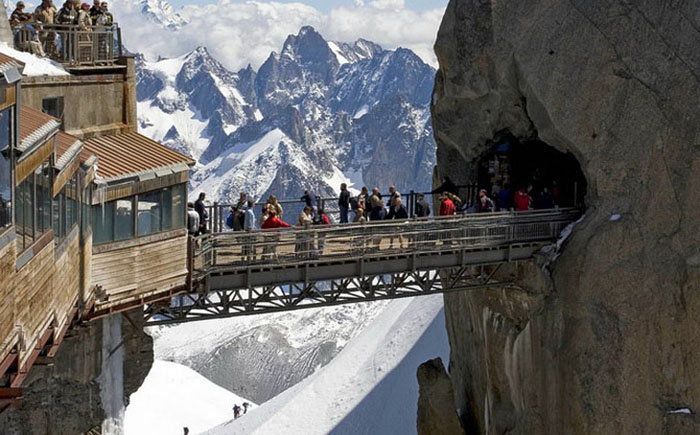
(436,408)
(69,397)
(604,340)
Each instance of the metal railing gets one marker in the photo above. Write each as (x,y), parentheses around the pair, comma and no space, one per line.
(70,45)
(218,212)
(288,246)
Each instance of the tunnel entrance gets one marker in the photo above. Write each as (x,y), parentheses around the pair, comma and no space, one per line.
(549,177)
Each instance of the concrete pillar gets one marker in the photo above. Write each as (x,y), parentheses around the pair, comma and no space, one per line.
(5,30)
(112,378)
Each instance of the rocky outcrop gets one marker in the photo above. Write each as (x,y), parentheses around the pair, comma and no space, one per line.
(605,339)
(74,392)
(436,408)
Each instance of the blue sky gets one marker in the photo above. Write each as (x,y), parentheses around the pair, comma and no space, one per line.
(326,5)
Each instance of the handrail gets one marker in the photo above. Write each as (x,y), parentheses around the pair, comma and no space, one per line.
(279,247)
(69,44)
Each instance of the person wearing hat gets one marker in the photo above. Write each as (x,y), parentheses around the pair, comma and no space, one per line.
(18,16)
(84,20)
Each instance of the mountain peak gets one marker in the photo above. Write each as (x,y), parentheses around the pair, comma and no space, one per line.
(162,13)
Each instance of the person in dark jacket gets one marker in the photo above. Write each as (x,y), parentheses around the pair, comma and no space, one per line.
(422,207)
(545,200)
(505,197)
(378,213)
(344,203)
(484,204)
(398,212)
(18,16)
(201,210)
(238,212)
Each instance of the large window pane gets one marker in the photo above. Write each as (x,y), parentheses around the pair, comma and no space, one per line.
(103,223)
(174,207)
(42,177)
(24,213)
(59,202)
(149,214)
(123,220)
(5,168)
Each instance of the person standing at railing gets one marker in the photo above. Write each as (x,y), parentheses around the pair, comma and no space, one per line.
(393,195)
(374,199)
(303,238)
(201,210)
(67,15)
(398,212)
(103,19)
(84,20)
(447,207)
(271,241)
(192,220)
(344,203)
(522,200)
(422,207)
(485,204)
(310,199)
(275,206)
(363,198)
(237,212)
(322,220)
(19,17)
(45,15)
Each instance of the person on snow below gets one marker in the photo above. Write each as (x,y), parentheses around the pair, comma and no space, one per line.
(485,204)
(245,407)
(236,411)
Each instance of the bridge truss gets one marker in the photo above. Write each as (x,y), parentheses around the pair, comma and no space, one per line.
(239,274)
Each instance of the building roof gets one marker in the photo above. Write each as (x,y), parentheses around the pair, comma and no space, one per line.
(132,154)
(7,63)
(67,147)
(34,127)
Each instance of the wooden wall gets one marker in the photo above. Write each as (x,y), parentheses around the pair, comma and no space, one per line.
(7,307)
(139,270)
(66,286)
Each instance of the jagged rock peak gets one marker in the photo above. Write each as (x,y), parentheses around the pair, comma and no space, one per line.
(162,13)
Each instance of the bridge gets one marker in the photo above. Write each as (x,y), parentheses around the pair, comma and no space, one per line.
(244,273)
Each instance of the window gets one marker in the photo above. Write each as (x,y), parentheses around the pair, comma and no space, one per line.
(156,211)
(33,206)
(65,206)
(5,169)
(53,106)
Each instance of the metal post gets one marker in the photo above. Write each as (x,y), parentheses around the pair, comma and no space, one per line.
(411,203)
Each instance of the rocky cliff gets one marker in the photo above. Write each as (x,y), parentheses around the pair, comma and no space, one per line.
(86,386)
(604,340)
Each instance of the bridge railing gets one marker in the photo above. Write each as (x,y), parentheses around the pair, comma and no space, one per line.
(218,212)
(69,44)
(279,247)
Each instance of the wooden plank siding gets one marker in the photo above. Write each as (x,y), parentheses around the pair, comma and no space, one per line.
(132,272)
(8,331)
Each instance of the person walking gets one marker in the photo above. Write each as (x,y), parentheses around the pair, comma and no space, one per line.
(246,405)
(485,204)
(236,411)
(201,210)
(192,220)
(344,203)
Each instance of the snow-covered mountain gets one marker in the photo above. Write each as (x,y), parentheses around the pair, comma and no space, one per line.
(162,13)
(317,114)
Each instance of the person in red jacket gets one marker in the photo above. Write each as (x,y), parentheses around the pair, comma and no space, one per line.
(271,241)
(447,207)
(521,200)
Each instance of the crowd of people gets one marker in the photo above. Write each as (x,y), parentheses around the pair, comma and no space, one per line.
(370,207)
(47,18)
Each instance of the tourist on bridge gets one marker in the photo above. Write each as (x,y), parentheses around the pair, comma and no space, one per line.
(273,221)
(375,198)
(363,199)
(324,221)
(447,186)
(270,241)
(304,239)
(344,203)
(201,210)
(447,207)
(95,10)
(249,226)
(504,198)
(192,220)
(310,199)
(275,206)
(393,195)
(238,212)
(398,212)
(84,20)
(545,200)
(45,14)
(422,207)
(360,214)
(484,204)
(522,200)
(68,14)
(378,212)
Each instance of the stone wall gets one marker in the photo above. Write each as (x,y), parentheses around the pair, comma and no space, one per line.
(604,340)
(66,397)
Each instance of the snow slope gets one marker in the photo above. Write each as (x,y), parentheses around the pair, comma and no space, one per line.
(174,396)
(369,388)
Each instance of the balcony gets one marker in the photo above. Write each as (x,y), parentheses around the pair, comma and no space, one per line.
(96,47)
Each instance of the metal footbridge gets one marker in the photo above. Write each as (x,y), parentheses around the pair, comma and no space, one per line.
(242,273)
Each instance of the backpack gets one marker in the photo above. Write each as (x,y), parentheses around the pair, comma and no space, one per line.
(229,220)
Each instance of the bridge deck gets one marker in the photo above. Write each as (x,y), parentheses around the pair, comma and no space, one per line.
(242,273)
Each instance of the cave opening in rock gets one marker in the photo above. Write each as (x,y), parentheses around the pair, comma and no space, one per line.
(549,176)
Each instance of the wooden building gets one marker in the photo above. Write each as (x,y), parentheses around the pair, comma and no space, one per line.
(85,224)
